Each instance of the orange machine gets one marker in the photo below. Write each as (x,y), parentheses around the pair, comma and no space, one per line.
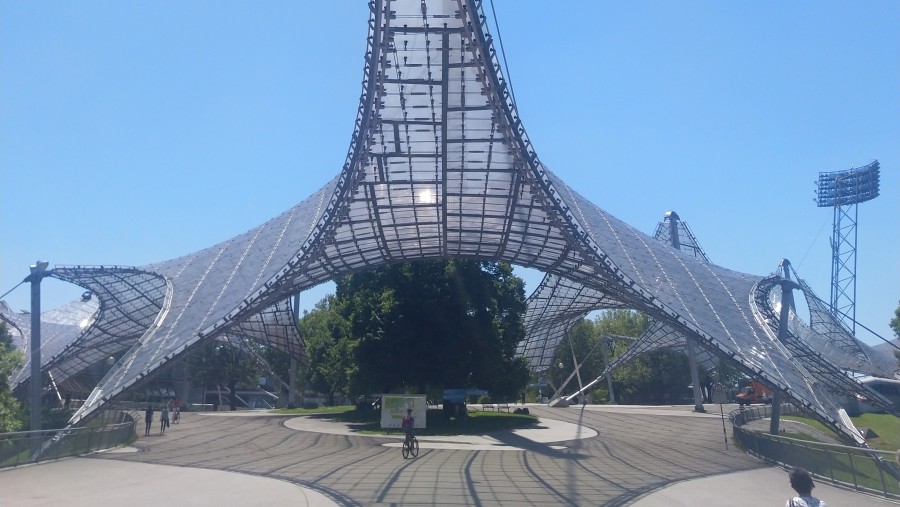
(754,393)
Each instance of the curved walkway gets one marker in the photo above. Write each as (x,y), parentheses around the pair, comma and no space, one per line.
(546,431)
(639,456)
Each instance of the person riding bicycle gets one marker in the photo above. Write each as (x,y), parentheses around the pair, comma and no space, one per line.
(408,425)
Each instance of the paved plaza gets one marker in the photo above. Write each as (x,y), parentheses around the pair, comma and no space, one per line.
(596,455)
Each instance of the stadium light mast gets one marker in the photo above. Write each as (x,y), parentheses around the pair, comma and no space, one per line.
(843,191)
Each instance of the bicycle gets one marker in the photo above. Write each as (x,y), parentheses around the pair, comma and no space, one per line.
(410,446)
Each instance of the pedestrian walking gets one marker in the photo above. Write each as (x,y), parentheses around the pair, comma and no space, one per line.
(148,420)
(163,420)
(176,410)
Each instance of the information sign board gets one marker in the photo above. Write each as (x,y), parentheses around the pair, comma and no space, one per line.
(393,408)
(718,393)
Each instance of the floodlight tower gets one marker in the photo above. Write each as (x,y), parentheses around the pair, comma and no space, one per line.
(843,191)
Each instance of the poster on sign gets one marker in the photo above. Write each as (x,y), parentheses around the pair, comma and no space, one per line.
(393,408)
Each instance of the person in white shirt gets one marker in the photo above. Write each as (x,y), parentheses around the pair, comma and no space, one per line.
(802,483)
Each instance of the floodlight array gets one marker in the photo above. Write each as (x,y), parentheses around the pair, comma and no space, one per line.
(852,186)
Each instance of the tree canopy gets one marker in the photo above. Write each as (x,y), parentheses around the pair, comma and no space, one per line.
(331,366)
(10,359)
(217,362)
(895,322)
(420,327)
(656,377)
(895,326)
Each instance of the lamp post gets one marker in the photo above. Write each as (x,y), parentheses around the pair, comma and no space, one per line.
(38,272)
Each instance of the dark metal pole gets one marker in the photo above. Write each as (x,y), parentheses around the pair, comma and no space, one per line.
(38,271)
(724,431)
(35,352)
(787,304)
(292,374)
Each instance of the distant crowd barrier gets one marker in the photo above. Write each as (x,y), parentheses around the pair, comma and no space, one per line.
(867,470)
(112,429)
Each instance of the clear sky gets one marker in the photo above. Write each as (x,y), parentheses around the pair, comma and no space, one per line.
(135,132)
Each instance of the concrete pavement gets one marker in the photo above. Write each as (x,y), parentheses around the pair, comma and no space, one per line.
(594,455)
(83,482)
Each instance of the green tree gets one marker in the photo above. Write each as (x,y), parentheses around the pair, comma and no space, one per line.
(656,377)
(895,326)
(425,325)
(10,359)
(217,362)
(621,323)
(728,374)
(585,340)
(331,366)
(895,322)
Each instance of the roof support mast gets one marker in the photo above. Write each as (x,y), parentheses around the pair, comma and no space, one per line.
(690,348)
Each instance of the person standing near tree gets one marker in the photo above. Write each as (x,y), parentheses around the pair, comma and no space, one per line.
(148,420)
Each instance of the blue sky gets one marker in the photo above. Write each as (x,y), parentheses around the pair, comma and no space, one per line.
(134,132)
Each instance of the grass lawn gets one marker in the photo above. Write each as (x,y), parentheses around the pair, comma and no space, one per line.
(799,436)
(851,467)
(810,422)
(369,421)
(885,425)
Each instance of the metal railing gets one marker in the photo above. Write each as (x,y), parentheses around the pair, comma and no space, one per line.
(22,447)
(870,471)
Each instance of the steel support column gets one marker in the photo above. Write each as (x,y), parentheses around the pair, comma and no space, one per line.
(38,272)
(675,240)
(292,374)
(787,305)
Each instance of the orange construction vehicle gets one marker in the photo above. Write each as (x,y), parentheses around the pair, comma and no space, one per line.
(754,392)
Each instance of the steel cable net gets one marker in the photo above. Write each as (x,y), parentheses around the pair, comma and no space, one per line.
(275,327)
(828,336)
(816,370)
(439,165)
(553,309)
(131,300)
(807,378)
(558,304)
(60,328)
(659,336)
(765,358)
